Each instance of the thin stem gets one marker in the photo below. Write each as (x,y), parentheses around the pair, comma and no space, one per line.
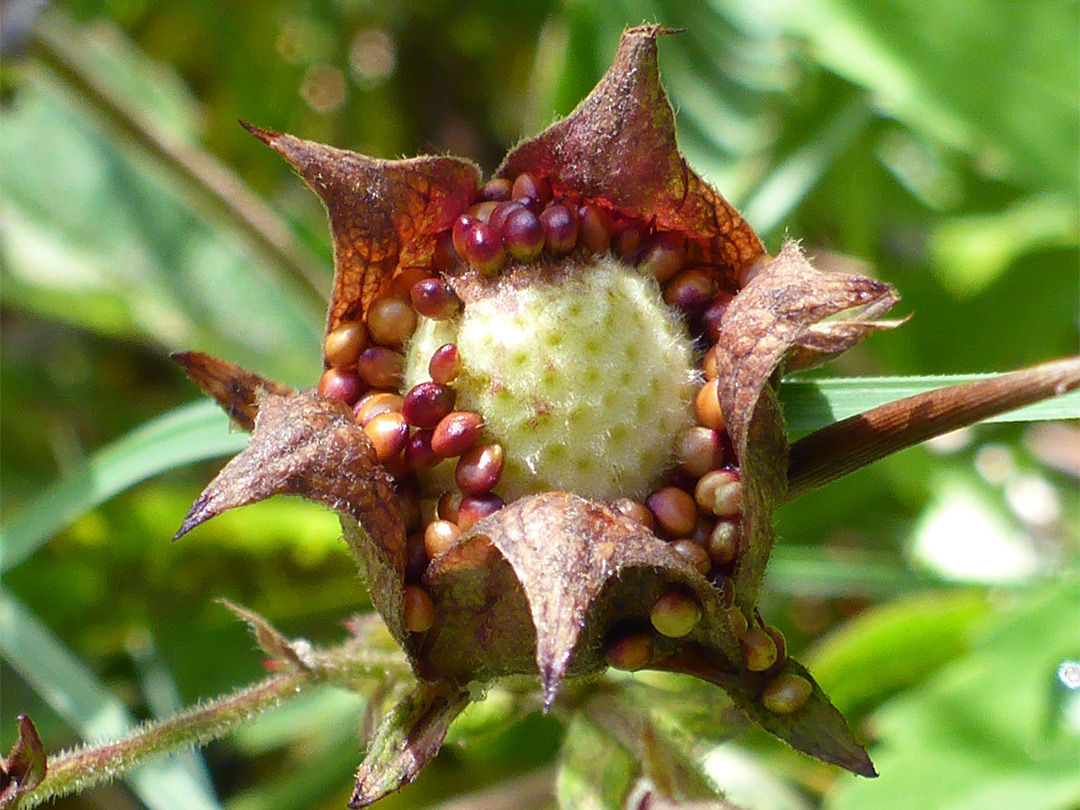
(214,184)
(83,768)
(851,444)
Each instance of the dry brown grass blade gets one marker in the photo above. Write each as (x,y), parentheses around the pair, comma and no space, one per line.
(856,442)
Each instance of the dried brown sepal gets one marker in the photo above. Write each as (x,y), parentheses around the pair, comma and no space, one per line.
(777,308)
(234,388)
(307,445)
(384,214)
(618,148)
(271,640)
(817,729)
(537,586)
(822,342)
(24,767)
(408,737)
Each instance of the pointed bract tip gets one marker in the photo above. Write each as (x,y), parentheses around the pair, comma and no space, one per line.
(264,135)
(199,513)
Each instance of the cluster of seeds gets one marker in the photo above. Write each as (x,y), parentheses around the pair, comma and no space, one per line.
(697,509)
(699,512)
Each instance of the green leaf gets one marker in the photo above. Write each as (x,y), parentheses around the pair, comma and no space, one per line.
(896,646)
(189,433)
(595,772)
(74,693)
(814,404)
(985,732)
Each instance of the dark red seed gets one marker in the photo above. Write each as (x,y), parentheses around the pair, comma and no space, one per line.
(484,249)
(374,403)
(690,291)
(477,507)
(434,298)
(445,256)
(714,315)
(388,434)
(664,256)
(461,227)
(478,470)
(504,210)
(445,364)
(626,240)
(427,403)
(418,452)
(560,228)
(344,343)
(338,384)
(523,235)
(456,433)
(498,189)
(380,368)
(594,229)
(529,185)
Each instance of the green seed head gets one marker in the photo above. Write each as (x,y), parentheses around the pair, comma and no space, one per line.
(585,379)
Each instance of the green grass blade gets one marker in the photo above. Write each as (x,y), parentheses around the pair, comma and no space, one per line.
(189,433)
(77,696)
(814,404)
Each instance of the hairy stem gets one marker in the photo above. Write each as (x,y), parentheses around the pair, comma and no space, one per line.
(347,666)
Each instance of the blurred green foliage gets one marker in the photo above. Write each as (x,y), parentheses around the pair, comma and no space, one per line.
(937,143)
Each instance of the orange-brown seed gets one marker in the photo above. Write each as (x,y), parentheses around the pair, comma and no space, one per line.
(699,450)
(631,652)
(709,364)
(723,543)
(694,554)
(759,649)
(439,536)
(390,321)
(675,614)
(344,343)
(738,622)
(380,368)
(371,405)
(707,406)
(786,693)
(388,433)
(447,506)
(719,493)
(419,609)
(674,510)
(636,511)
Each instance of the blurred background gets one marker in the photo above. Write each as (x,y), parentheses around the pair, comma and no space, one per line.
(934,145)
